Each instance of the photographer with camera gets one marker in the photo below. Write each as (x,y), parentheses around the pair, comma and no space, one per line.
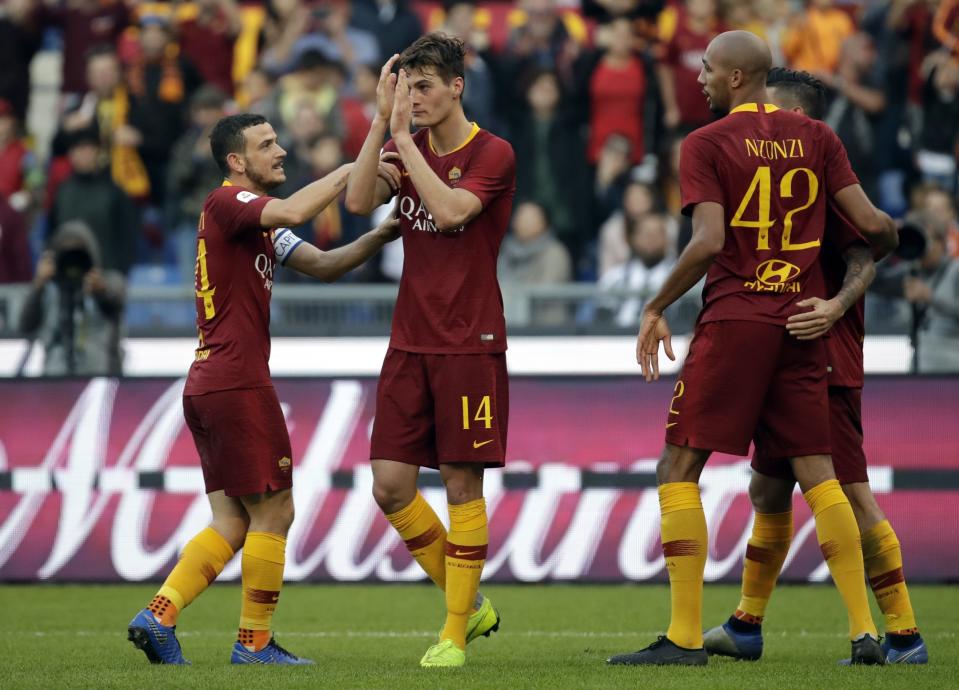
(927,278)
(75,307)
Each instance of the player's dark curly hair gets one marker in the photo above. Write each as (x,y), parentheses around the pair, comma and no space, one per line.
(442,54)
(227,137)
(804,88)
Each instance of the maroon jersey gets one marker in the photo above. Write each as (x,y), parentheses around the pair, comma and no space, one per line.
(235,261)
(772,172)
(449,300)
(844,340)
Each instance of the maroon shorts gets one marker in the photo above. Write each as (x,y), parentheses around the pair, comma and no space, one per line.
(746,380)
(242,440)
(438,409)
(845,432)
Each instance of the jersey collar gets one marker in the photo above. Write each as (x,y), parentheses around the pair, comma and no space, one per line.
(226,183)
(472,135)
(753,108)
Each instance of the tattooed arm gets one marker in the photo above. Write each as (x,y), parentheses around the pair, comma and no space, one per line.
(860,271)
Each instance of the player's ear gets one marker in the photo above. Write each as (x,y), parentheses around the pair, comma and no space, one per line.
(458,87)
(235,161)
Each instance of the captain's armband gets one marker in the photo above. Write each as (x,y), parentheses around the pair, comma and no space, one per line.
(285,242)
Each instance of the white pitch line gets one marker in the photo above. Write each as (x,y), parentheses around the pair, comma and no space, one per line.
(575,634)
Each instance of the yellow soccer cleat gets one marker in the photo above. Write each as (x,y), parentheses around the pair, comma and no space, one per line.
(483,622)
(444,654)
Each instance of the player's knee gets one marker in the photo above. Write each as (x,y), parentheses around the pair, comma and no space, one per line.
(679,465)
(392,497)
(232,530)
(812,470)
(864,506)
(769,496)
(463,484)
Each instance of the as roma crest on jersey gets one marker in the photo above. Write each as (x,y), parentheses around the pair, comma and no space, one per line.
(455,174)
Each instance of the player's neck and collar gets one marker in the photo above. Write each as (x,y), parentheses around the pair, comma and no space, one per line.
(753,101)
(244,182)
(451,134)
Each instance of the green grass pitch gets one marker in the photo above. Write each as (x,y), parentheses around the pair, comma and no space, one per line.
(372,636)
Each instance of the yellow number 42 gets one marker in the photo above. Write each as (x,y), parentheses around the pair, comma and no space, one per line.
(762,184)
(483,413)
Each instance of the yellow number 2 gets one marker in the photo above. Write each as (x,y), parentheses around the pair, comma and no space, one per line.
(204,291)
(483,413)
(762,181)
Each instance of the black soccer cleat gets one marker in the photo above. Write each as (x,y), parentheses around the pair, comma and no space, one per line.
(866,651)
(662,652)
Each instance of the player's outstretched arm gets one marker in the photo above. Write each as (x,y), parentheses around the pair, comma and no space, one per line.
(331,265)
(822,314)
(709,236)
(305,203)
(875,225)
(365,191)
(451,208)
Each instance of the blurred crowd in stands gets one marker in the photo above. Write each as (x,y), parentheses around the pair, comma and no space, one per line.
(595,97)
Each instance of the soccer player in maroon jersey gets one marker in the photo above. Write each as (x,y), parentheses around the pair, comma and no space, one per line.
(772,483)
(442,400)
(229,401)
(756,183)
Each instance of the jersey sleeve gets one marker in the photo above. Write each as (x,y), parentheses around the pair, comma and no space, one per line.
(838,171)
(237,210)
(699,180)
(841,234)
(491,171)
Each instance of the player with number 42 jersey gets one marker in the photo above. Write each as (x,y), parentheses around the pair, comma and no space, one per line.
(756,184)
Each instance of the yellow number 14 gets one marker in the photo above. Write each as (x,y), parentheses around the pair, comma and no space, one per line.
(483,413)
(762,184)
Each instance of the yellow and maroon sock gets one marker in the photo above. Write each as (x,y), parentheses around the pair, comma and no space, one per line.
(264,556)
(839,540)
(202,559)
(684,537)
(883,559)
(425,537)
(466,546)
(765,553)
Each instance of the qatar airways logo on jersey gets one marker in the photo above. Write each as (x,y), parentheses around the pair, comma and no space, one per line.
(419,216)
(265,267)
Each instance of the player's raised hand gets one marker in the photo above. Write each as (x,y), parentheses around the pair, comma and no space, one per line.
(652,330)
(816,322)
(402,107)
(386,88)
(389,172)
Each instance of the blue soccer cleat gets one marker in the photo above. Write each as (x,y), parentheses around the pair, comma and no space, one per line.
(724,641)
(916,653)
(271,654)
(157,641)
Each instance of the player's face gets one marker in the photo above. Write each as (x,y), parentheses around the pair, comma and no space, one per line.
(714,80)
(263,157)
(432,98)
